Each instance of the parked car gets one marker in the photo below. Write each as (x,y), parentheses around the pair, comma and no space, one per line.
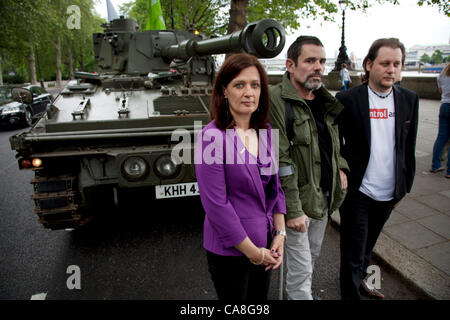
(13,113)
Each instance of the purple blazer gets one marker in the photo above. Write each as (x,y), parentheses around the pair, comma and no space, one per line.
(231,191)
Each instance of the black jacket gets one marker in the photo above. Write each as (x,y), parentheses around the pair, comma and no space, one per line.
(354,128)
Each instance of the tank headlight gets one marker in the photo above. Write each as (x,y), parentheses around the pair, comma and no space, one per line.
(36,162)
(134,168)
(166,166)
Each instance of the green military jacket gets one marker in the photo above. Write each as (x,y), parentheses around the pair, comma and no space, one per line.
(299,163)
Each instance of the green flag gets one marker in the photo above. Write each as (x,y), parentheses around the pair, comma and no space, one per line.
(155,19)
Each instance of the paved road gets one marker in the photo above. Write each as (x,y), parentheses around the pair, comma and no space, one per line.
(138,251)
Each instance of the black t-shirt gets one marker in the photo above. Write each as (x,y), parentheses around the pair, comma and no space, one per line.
(325,146)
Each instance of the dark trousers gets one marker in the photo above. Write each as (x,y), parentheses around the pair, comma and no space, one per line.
(362,220)
(235,278)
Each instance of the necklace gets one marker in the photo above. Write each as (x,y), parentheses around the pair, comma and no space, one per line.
(380,95)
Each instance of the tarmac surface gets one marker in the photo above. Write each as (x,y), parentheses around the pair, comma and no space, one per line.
(415,240)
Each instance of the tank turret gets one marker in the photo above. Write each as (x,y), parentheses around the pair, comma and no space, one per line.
(121,49)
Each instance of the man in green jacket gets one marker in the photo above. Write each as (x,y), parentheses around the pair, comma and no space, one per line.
(311,168)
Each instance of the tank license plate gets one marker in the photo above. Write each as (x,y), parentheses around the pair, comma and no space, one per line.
(176,190)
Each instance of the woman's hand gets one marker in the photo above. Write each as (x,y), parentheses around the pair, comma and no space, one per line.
(258,256)
(277,245)
(277,251)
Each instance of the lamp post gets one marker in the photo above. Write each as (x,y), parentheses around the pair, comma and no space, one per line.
(342,57)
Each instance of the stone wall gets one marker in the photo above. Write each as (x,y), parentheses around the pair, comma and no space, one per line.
(426,87)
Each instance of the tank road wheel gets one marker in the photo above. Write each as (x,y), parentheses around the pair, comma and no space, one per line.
(57,202)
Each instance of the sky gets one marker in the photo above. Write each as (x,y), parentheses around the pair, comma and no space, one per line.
(410,23)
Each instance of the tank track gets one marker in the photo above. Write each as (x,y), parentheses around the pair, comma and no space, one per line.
(56,199)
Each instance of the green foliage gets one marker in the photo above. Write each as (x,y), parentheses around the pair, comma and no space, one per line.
(136,10)
(204,15)
(36,24)
(443,5)
(211,17)
(436,57)
(16,79)
(289,14)
(40,22)
(425,58)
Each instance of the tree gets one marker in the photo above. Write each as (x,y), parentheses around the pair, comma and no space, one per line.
(204,15)
(23,23)
(31,31)
(436,57)
(425,58)
(34,31)
(238,15)
(210,16)
(443,5)
(288,12)
(71,25)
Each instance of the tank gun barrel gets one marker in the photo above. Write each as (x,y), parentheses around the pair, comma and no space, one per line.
(264,39)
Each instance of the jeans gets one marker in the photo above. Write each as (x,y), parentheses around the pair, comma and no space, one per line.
(442,138)
(362,220)
(345,86)
(302,250)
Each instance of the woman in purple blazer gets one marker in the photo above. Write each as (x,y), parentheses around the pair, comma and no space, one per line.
(244,227)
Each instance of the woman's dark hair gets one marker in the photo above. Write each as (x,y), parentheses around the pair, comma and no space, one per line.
(230,69)
(393,43)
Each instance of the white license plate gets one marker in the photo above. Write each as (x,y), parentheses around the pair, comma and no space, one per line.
(176,190)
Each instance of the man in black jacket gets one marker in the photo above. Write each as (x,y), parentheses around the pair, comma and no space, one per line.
(378,130)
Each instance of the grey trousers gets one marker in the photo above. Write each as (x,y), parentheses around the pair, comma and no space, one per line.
(302,250)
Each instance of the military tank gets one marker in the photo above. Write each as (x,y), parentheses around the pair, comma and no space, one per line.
(113,131)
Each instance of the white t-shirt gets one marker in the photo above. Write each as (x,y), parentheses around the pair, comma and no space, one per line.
(344,75)
(379,179)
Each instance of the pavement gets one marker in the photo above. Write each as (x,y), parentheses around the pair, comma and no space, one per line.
(415,241)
